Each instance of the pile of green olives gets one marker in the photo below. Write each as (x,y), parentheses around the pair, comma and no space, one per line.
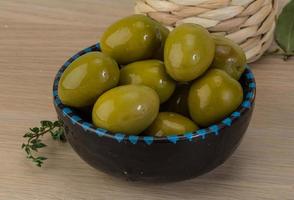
(150,81)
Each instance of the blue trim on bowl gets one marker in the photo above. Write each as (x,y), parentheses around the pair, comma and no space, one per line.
(173,138)
(227,121)
(189,136)
(148,140)
(133,139)
(119,136)
(214,129)
(100,131)
(202,133)
(86,126)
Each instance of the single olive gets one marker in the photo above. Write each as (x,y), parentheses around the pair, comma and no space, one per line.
(150,73)
(229,57)
(159,54)
(86,78)
(127,109)
(132,38)
(168,123)
(178,102)
(213,97)
(188,52)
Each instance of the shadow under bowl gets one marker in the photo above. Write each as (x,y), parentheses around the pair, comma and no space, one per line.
(148,158)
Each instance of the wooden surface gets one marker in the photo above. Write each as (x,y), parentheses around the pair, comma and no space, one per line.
(37,36)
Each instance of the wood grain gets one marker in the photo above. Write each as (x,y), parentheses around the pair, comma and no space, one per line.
(37,36)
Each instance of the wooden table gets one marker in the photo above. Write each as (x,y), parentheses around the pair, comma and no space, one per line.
(37,36)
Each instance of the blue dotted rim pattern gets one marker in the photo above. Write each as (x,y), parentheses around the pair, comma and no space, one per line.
(134,139)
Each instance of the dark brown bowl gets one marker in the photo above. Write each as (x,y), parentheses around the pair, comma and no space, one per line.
(148,158)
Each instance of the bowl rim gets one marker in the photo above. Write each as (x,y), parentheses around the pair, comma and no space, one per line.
(248,100)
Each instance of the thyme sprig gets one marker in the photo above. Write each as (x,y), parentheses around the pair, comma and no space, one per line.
(34,142)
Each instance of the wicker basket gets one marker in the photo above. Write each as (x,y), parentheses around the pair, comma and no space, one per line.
(250,23)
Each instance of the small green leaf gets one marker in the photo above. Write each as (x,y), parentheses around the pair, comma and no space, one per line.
(39,145)
(28,134)
(58,134)
(27,149)
(284,32)
(41,158)
(33,147)
(35,141)
(58,123)
(46,123)
(39,164)
(23,145)
(35,129)
(55,135)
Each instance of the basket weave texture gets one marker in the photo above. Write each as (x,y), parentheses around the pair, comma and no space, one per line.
(250,23)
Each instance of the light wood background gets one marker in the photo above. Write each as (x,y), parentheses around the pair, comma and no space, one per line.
(37,36)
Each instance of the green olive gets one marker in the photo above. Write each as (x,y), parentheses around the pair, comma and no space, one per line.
(188,52)
(132,38)
(150,73)
(178,102)
(213,97)
(159,54)
(168,123)
(229,57)
(86,78)
(127,109)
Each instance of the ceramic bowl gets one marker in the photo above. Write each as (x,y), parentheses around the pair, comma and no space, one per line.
(148,158)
